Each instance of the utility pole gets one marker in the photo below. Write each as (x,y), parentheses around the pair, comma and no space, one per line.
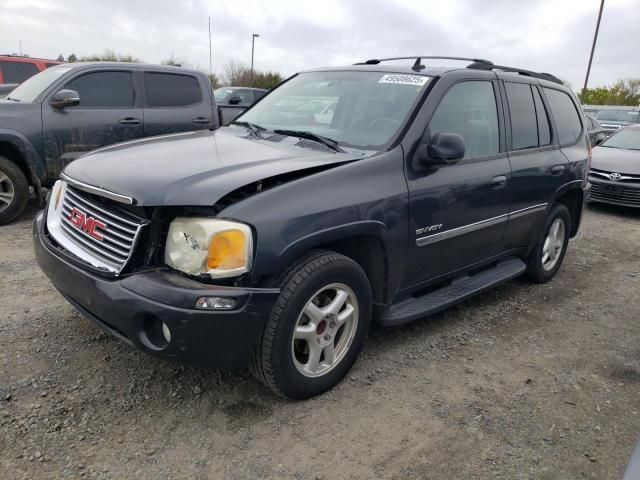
(20,47)
(210,57)
(253,40)
(593,47)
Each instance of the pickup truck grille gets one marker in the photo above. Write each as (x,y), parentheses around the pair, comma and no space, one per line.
(97,233)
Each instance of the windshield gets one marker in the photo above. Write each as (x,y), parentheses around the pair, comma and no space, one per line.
(618,116)
(359,109)
(628,138)
(222,93)
(31,88)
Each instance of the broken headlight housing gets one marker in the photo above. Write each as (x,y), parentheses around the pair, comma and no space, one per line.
(209,246)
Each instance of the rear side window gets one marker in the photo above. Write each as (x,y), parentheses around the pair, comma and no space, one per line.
(103,90)
(17,72)
(565,115)
(524,128)
(544,128)
(49,65)
(171,90)
(469,109)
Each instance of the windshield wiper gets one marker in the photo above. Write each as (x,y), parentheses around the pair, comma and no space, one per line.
(12,99)
(252,127)
(326,141)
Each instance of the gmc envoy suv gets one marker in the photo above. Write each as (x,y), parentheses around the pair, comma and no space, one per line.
(274,242)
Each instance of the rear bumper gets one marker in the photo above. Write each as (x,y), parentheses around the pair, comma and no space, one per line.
(614,193)
(128,307)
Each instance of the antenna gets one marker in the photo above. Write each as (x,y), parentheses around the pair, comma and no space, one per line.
(210,57)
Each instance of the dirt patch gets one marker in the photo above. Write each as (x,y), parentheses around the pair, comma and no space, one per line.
(525,381)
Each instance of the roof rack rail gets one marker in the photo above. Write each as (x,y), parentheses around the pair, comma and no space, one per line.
(520,71)
(417,66)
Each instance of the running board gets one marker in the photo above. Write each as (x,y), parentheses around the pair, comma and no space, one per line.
(459,290)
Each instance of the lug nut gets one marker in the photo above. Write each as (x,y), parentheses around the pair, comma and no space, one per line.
(327,337)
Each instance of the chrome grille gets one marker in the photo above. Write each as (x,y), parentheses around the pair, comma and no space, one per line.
(98,234)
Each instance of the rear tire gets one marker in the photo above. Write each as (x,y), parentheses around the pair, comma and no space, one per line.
(317,327)
(14,191)
(546,258)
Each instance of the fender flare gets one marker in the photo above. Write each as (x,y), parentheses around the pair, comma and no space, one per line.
(335,233)
(32,160)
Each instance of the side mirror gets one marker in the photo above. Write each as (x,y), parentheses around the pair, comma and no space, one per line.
(235,100)
(442,149)
(65,98)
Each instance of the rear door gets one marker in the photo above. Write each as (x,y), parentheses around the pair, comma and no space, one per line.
(107,114)
(538,166)
(174,102)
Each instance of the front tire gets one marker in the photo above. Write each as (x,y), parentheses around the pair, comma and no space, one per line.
(14,191)
(317,327)
(546,258)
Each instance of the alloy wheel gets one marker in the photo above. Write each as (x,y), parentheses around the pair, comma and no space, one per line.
(7,192)
(553,244)
(325,330)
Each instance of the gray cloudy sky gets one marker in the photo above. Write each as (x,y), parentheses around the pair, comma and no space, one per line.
(547,35)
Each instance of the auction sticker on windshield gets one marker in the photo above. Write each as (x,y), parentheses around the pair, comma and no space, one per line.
(404,79)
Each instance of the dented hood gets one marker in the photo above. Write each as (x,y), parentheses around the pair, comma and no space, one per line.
(195,168)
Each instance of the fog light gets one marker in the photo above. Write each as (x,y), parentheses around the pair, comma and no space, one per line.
(216,303)
(166,332)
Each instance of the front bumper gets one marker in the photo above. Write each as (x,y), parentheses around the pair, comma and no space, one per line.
(127,306)
(615,193)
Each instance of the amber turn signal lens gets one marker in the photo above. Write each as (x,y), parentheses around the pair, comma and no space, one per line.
(227,250)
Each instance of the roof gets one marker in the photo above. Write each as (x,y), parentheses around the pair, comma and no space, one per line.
(148,66)
(424,65)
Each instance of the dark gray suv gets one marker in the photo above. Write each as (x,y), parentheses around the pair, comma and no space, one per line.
(274,242)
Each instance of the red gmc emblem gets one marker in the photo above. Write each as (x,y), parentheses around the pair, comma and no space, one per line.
(90,225)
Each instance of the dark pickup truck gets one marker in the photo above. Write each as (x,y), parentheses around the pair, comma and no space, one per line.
(274,242)
(68,110)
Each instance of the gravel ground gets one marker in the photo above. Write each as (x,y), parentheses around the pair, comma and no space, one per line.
(525,381)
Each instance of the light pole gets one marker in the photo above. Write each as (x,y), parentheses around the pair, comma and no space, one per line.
(593,47)
(253,41)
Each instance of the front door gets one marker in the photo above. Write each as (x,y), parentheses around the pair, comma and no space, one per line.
(107,114)
(458,212)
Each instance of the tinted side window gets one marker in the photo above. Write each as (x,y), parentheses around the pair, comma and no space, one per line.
(103,89)
(544,129)
(469,109)
(171,90)
(49,65)
(17,72)
(524,129)
(565,115)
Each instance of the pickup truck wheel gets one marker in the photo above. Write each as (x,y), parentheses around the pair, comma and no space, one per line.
(547,257)
(317,327)
(14,191)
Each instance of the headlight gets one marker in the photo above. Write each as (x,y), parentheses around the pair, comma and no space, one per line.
(219,248)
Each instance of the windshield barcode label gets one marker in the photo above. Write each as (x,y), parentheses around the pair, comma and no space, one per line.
(417,80)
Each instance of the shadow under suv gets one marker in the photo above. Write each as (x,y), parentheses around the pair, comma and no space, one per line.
(274,242)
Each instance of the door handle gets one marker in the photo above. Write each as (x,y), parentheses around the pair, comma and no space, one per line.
(557,170)
(202,120)
(129,121)
(498,182)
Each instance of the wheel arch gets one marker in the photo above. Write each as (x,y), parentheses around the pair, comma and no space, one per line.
(363,242)
(19,150)
(572,197)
